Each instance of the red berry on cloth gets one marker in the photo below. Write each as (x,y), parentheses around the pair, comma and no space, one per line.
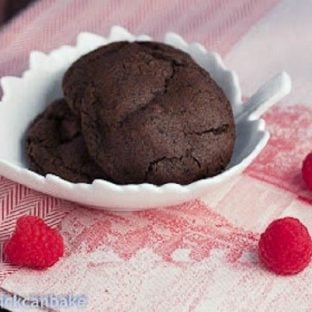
(307,170)
(285,247)
(34,244)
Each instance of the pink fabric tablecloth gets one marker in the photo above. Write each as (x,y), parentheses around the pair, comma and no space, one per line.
(199,256)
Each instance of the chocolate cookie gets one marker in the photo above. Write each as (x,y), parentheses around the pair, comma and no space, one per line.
(149,113)
(55,145)
(79,75)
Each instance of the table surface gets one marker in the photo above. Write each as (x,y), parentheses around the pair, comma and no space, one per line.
(201,255)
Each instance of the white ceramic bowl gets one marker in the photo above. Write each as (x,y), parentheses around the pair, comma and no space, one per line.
(27,96)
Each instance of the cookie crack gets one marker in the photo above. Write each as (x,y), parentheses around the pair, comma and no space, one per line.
(174,64)
(215,131)
(168,79)
(158,160)
(196,161)
(163,91)
(158,54)
(155,162)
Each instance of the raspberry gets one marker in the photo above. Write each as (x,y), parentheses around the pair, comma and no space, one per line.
(285,247)
(34,244)
(307,170)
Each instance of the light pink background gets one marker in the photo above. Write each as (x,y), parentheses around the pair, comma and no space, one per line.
(200,256)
